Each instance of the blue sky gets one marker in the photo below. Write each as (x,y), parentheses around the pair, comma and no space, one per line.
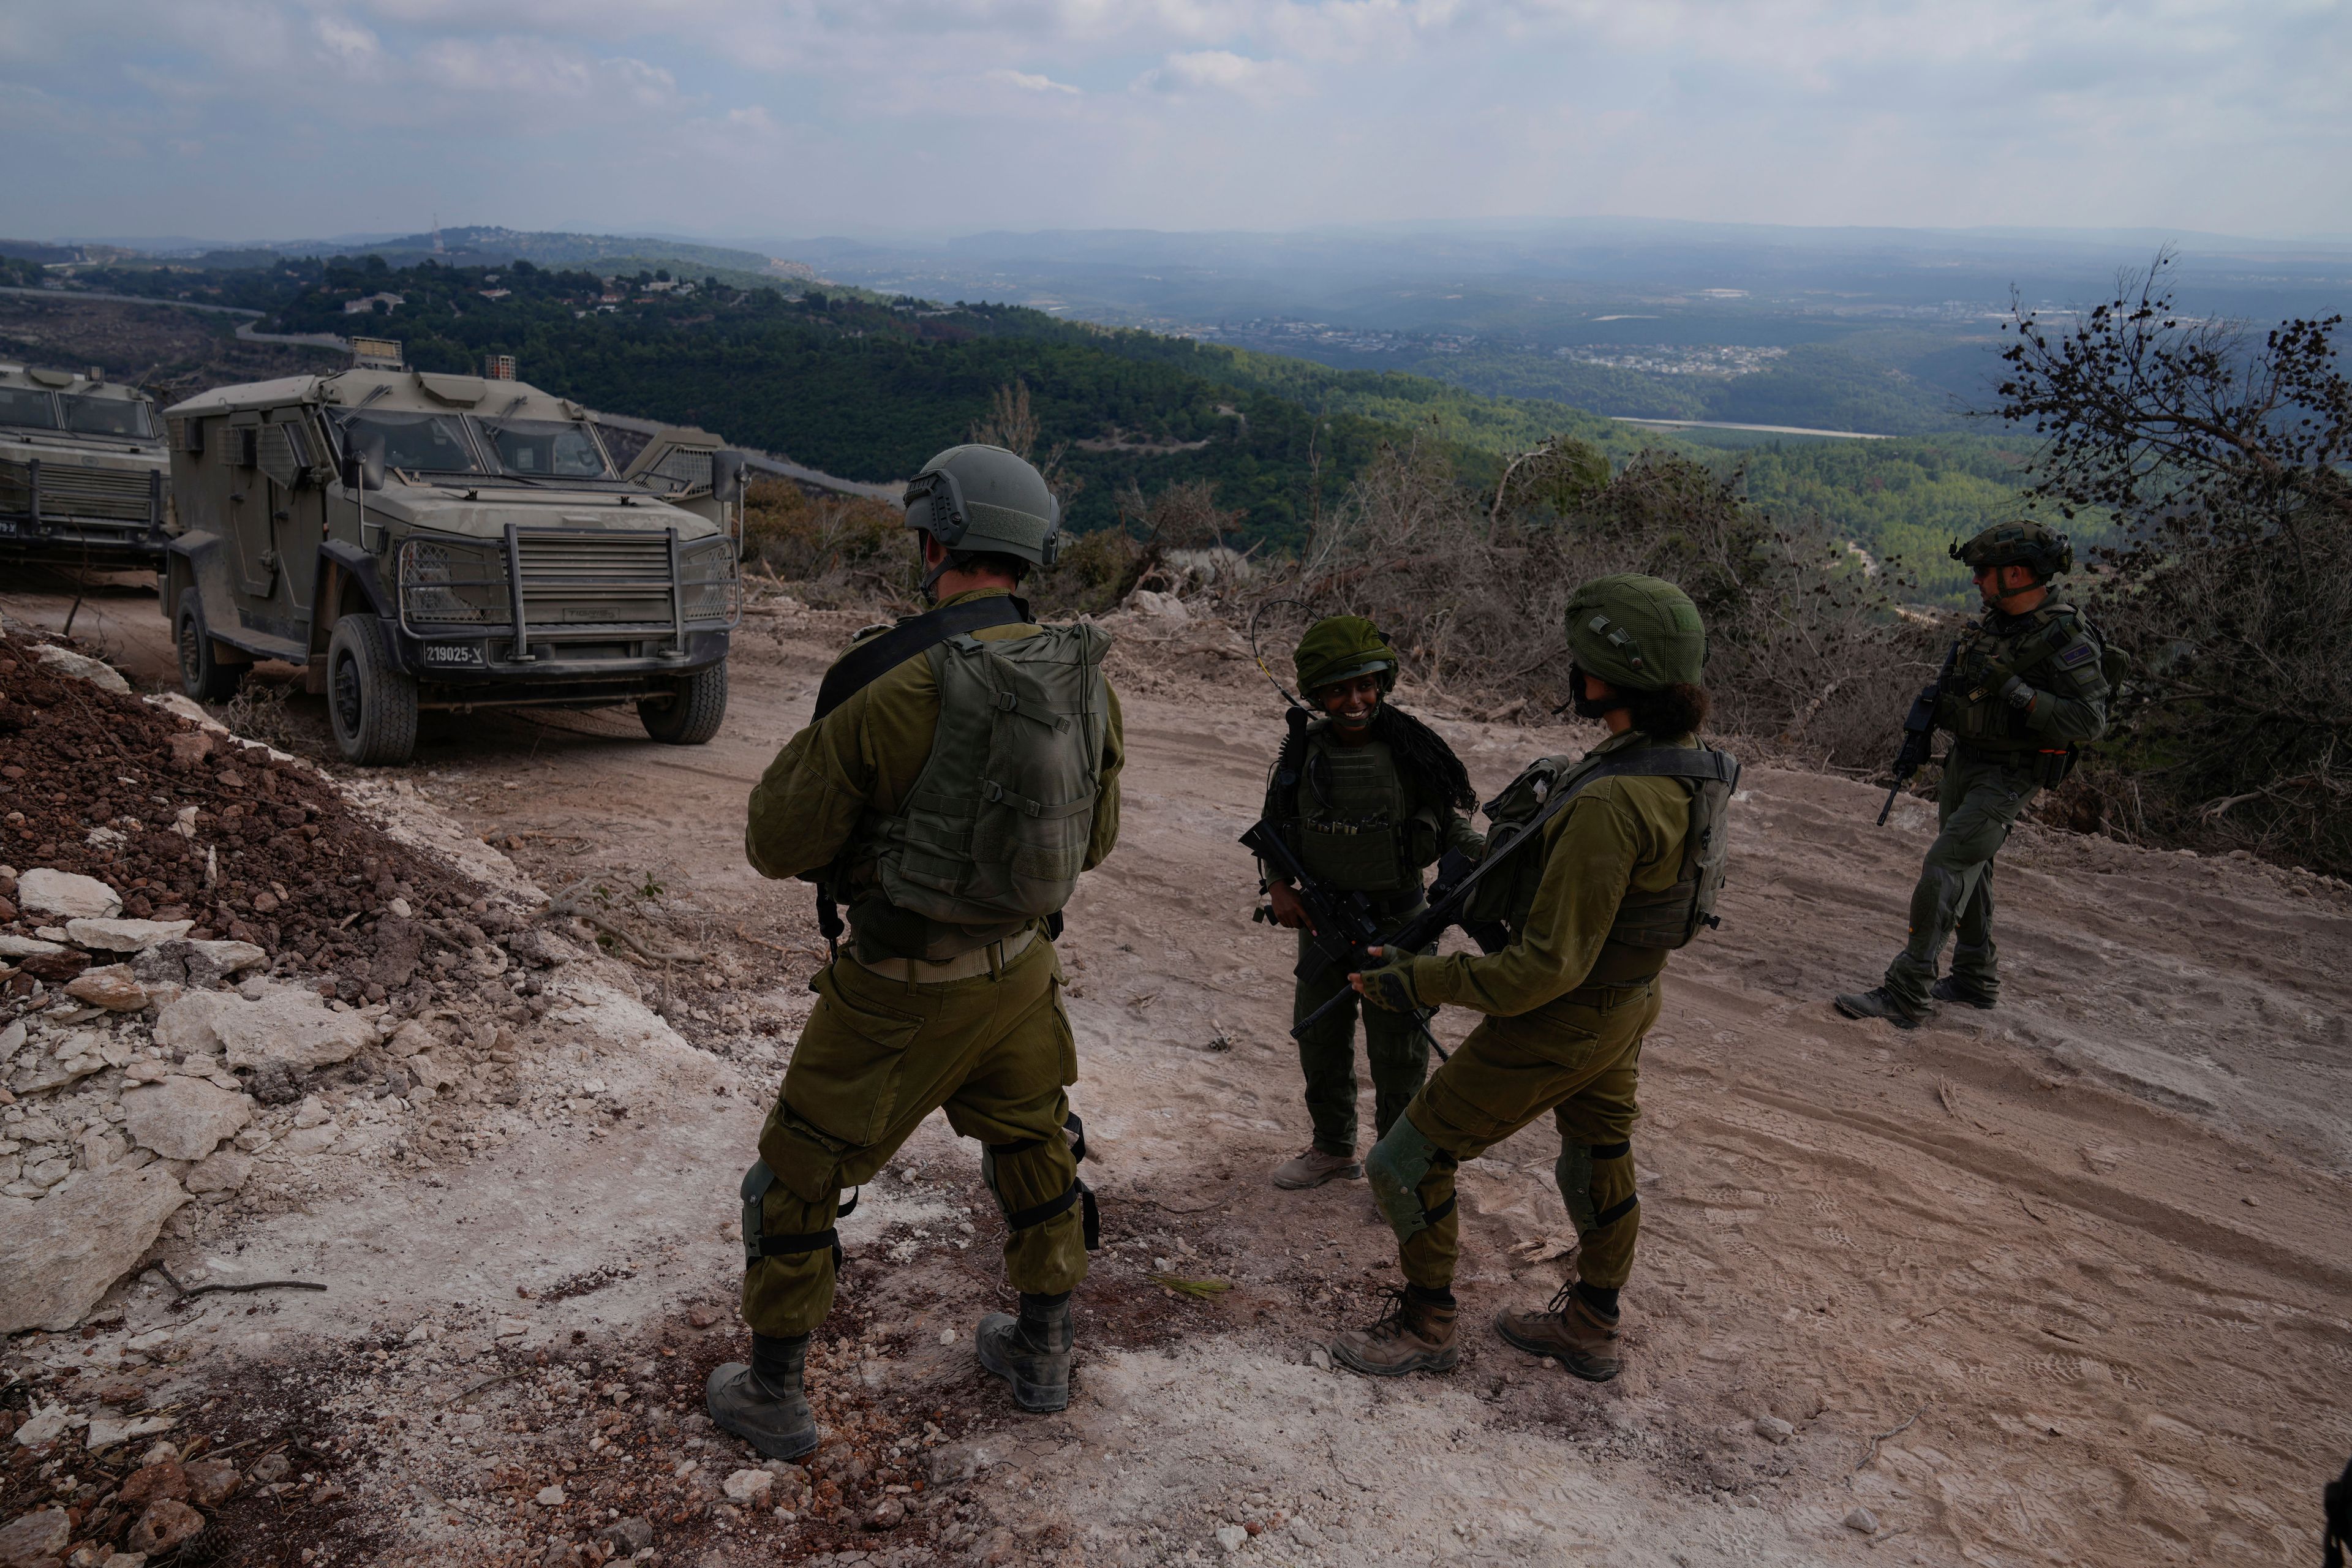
(226,118)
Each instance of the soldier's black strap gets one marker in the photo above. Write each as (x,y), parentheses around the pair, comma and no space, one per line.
(807,1241)
(1616,1150)
(1070,1123)
(1075,1195)
(868,662)
(1431,1216)
(1616,1212)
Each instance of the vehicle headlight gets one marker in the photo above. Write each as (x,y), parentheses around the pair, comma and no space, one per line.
(710,580)
(452,582)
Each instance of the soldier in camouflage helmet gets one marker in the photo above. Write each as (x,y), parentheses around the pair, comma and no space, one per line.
(1367,796)
(961,770)
(1593,904)
(2029,685)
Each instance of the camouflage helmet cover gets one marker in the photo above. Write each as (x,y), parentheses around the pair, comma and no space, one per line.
(1640,634)
(978,499)
(1341,648)
(2017,543)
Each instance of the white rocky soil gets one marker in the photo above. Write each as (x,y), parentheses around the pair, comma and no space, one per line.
(2063,1283)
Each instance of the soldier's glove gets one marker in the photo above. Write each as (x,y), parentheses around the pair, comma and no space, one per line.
(1390,988)
(2018,695)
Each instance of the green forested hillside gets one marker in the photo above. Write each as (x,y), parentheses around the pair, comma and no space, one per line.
(869,389)
(1906,498)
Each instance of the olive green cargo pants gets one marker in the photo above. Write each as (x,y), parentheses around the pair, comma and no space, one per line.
(1580,1058)
(876,1057)
(1395,1050)
(1980,801)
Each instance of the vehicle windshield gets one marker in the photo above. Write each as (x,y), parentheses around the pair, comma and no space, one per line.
(24,407)
(419,443)
(536,448)
(108,417)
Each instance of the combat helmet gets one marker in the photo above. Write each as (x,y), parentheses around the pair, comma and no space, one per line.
(984,500)
(1341,648)
(1638,634)
(2020,544)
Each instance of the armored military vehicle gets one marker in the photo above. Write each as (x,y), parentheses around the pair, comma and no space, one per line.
(83,477)
(416,539)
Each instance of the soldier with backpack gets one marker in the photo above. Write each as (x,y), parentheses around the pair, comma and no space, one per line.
(960,769)
(1594,896)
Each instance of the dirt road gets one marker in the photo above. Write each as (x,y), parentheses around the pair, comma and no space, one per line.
(2063,1282)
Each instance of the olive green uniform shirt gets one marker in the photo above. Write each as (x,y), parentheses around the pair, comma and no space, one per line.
(1619,833)
(865,755)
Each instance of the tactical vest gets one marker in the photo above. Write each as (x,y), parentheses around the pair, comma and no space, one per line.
(1658,921)
(1973,709)
(1351,829)
(995,830)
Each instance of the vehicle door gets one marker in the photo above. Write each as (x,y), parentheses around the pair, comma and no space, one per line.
(252,502)
(291,454)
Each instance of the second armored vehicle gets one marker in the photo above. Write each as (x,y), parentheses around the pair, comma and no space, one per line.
(83,477)
(421,541)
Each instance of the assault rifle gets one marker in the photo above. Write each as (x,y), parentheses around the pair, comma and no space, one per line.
(1340,927)
(1918,731)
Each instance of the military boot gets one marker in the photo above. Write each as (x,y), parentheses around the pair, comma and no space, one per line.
(1417,1335)
(1570,1331)
(762,1404)
(1315,1167)
(1032,1352)
(1882,1003)
(1968,993)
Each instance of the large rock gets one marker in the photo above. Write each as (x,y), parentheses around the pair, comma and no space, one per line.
(12,946)
(59,1253)
(44,891)
(36,1537)
(123,935)
(184,1118)
(112,986)
(295,1027)
(202,965)
(97,671)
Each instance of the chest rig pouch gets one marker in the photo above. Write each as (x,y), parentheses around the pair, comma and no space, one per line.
(1972,708)
(1661,921)
(1351,828)
(996,826)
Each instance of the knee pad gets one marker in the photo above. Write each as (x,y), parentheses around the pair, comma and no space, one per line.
(1077,1195)
(759,1242)
(1396,1167)
(1574,1173)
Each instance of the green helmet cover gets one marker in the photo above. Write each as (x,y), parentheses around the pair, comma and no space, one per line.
(985,501)
(2017,544)
(1639,634)
(1341,648)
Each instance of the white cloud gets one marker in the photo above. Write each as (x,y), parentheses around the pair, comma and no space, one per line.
(2197,113)
(1221,70)
(1029,83)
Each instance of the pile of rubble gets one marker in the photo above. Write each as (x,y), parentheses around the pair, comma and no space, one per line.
(214,968)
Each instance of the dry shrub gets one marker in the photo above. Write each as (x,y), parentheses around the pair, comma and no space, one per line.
(836,550)
(1806,648)
(1170,543)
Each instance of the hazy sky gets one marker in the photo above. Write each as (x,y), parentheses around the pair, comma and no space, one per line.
(233,117)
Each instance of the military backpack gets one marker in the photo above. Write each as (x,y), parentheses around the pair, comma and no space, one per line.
(995,827)
(1665,919)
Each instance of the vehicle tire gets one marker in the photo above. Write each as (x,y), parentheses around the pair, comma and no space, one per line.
(694,712)
(202,676)
(371,703)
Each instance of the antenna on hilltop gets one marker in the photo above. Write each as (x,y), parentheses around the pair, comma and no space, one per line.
(439,249)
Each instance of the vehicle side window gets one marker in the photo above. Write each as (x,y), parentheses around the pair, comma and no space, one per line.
(27,409)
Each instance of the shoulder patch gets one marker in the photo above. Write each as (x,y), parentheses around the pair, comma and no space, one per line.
(2080,653)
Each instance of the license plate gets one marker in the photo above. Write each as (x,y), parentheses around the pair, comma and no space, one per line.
(453,653)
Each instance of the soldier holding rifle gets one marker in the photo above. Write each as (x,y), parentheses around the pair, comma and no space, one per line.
(2021,690)
(1598,868)
(1362,799)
